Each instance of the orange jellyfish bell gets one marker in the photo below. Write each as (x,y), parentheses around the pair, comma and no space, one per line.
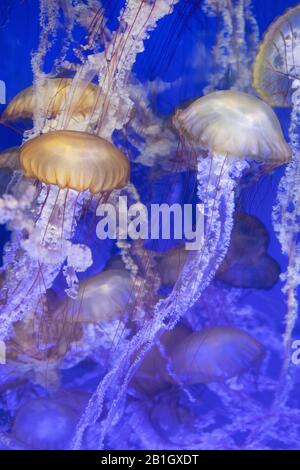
(277,62)
(234,124)
(75,160)
(52,94)
(215,355)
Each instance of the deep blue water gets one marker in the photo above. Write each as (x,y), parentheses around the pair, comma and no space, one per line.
(168,55)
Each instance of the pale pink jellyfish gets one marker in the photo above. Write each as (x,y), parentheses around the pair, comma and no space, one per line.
(215,355)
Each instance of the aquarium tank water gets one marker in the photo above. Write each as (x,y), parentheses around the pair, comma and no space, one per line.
(150,221)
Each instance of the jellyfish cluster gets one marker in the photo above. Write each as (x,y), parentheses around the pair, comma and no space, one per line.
(140,343)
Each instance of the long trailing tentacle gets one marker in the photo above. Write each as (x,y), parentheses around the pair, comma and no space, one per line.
(196,275)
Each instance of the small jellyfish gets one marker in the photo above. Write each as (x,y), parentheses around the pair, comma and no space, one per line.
(215,355)
(52,94)
(277,63)
(37,347)
(104,297)
(151,374)
(48,423)
(246,264)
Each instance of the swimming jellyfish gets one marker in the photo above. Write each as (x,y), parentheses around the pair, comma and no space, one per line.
(51,96)
(48,423)
(103,297)
(215,354)
(226,130)
(277,79)
(70,167)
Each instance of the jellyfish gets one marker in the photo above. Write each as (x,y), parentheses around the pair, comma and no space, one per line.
(104,297)
(213,354)
(276,79)
(276,66)
(37,347)
(230,127)
(216,354)
(246,264)
(52,95)
(48,423)
(70,166)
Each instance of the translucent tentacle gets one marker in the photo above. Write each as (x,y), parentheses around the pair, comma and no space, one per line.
(286,222)
(236,44)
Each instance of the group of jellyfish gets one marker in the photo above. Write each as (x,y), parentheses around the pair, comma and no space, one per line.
(138,317)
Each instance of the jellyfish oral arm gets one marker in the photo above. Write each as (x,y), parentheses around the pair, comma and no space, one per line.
(217,179)
(43,253)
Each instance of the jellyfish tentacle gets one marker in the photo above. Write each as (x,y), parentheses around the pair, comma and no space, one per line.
(167,311)
(235,45)
(286,222)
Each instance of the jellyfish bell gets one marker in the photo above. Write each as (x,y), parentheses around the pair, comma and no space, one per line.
(51,95)
(48,423)
(246,264)
(234,124)
(104,297)
(75,160)
(276,65)
(261,273)
(37,347)
(215,355)
(151,374)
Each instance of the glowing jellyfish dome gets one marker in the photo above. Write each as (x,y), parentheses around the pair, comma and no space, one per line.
(277,62)
(75,160)
(236,125)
